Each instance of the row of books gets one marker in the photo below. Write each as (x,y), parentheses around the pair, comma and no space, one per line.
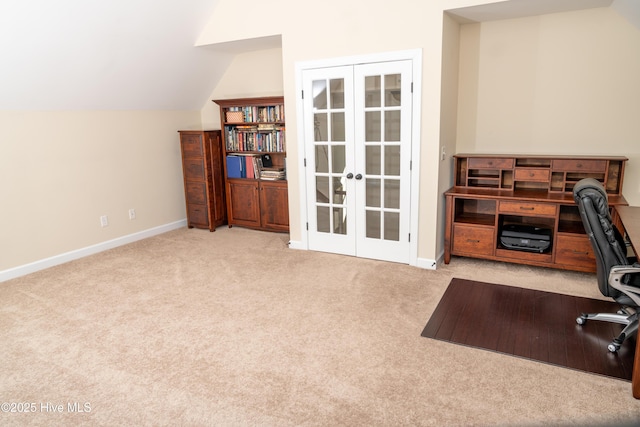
(255,138)
(271,113)
(252,167)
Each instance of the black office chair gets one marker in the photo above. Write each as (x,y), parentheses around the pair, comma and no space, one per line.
(618,278)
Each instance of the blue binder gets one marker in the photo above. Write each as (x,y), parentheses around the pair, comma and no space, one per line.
(235,167)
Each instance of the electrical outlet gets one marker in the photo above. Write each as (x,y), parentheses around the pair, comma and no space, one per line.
(132,213)
(104,221)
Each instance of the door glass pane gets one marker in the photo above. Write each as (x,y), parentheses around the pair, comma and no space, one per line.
(338,159)
(319,94)
(322,189)
(392,193)
(322,158)
(373,159)
(337,93)
(339,192)
(372,196)
(372,91)
(392,226)
(372,126)
(320,127)
(337,127)
(324,224)
(392,90)
(392,160)
(392,126)
(339,221)
(373,224)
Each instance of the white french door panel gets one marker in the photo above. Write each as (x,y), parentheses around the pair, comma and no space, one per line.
(357,125)
(383,109)
(329,141)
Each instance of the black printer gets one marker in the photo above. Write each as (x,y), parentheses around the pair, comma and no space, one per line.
(524,237)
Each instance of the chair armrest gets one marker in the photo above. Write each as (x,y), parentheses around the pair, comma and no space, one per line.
(615,280)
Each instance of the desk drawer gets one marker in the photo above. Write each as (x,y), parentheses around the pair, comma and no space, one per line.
(469,239)
(489,163)
(527,208)
(575,251)
(577,165)
(528,174)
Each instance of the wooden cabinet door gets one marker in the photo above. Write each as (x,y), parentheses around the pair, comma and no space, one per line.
(243,203)
(274,205)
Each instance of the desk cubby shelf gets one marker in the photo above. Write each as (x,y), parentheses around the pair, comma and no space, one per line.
(493,190)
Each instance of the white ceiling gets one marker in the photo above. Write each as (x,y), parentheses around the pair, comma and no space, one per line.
(521,8)
(140,54)
(105,54)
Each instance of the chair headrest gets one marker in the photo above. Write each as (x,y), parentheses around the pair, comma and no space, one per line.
(594,190)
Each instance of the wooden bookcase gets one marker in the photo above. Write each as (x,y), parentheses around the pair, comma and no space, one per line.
(253,134)
(491,191)
(203,179)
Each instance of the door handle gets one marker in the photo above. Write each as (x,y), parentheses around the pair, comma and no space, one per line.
(349,175)
(359,176)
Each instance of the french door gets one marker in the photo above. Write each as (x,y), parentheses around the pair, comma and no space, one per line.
(357,130)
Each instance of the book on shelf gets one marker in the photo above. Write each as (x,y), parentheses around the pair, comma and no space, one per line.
(263,138)
(273,174)
(244,165)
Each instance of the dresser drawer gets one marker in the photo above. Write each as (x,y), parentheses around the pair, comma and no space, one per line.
(489,163)
(198,215)
(529,174)
(468,239)
(527,208)
(574,251)
(196,192)
(577,165)
(192,145)
(194,169)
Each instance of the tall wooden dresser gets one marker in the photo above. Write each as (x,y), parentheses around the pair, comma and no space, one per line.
(203,178)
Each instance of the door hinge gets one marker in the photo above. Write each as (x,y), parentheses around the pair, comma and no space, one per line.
(307,226)
(305,162)
(409,237)
(410,164)
(302,94)
(411,87)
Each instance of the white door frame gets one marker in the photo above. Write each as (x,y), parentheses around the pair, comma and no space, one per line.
(415,56)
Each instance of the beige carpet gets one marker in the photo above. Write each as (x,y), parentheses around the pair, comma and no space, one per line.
(232,328)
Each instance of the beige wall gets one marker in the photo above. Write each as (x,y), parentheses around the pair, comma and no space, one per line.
(60,171)
(565,83)
(250,74)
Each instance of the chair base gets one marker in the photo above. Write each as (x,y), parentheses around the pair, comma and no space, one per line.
(623,317)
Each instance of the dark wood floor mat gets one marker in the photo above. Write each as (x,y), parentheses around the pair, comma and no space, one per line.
(531,324)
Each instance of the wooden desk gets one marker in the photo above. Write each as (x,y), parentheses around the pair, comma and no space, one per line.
(630,217)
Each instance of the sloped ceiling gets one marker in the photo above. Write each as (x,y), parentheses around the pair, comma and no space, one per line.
(97,54)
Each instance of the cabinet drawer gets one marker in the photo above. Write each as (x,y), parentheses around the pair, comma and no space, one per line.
(468,239)
(527,208)
(528,174)
(198,215)
(577,165)
(194,169)
(574,251)
(489,163)
(196,192)
(192,145)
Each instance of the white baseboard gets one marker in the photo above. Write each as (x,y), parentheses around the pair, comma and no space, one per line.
(296,244)
(42,264)
(428,264)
